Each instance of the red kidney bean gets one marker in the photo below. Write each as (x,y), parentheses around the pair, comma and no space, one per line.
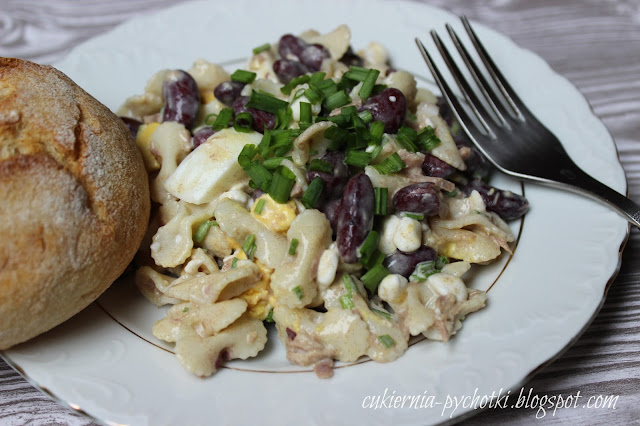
(335,181)
(433,166)
(351,59)
(313,55)
(291,47)
(201,136)
(132,124)
(287,70)
(422,198)
(331,209)
(405,263)
(181,98)
(355,217)
(261,119)
(506,204)
(388,106)
(228,91)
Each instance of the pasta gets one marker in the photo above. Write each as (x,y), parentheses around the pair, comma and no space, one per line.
(319,189)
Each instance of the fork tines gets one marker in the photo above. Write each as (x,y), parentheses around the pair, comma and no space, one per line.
(507,109)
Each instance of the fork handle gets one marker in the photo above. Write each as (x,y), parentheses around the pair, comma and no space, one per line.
(577,180)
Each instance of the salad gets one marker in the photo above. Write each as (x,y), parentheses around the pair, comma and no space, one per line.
(318,189)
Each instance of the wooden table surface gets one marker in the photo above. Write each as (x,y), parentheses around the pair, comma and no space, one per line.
(594,43)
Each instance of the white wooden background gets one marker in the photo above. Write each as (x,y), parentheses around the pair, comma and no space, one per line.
(594,43)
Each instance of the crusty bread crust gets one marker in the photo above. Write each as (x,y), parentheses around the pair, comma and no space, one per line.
(74,199)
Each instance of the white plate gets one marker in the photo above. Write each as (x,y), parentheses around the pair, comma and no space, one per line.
(106,363)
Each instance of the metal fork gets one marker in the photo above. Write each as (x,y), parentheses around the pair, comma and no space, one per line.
(532,152)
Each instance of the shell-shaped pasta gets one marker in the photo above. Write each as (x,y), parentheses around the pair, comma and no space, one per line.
(207,75)
(222,285)
(217,242)
(425,96)
(293,283)
(374,54)
(312,137)
(262,65)
(469,233)
(200,262)
(203,356)
(170,142)
(337,41)
(238,223)
(447,151)
(150,282)
(186,318)
(310,336)
(173,242)
(139,106)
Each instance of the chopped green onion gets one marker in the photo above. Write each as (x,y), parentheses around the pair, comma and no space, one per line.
(452,193)
(265,143)
(249,246)
(384,314)
(293,247)
(259,206)
(298,292)
(375,259)
(386,340)
(369,245)
(349,284)
(259,175)
(272,163)
(416,216)
(242,76)
(305,112)
(390,165)
(357,73)
(326,87)
(336,100)
(455,128)
(243,122)
(368,83)
(320,165)
(234,263)
(423,271)
(366,116)
(246,155)
(357,158)
(295,82)
(346,300)
(373,277)
(376,131)
(441,261)
(407,138)
(349,110)
(312,194)
(269,317)
(313,95)
(283,118)
(317,77)
(338,137)
(381,201)
(427,139)
(261,48)
(378,88)
(266,102)
(202,230)
(222,119)
(185,310)
(281,185)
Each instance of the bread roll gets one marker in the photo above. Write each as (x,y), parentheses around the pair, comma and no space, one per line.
(74,199)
